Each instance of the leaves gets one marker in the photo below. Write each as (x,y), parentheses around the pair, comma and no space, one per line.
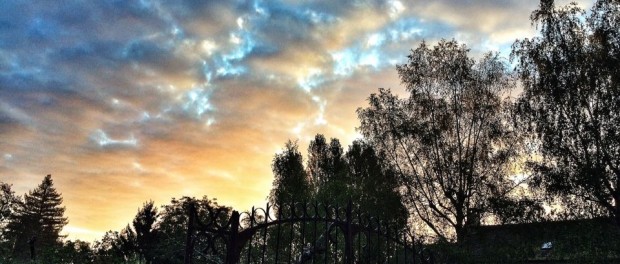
(449,142)
(570,102)
(40,215)
(290,182)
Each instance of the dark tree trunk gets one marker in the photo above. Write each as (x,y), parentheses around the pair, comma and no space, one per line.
(31,242)
(461,233)
(189,239)
(617,211)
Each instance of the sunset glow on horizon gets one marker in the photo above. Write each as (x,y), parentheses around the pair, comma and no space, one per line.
(123,102)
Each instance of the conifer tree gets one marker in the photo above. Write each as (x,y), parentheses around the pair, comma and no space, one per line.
(38,221)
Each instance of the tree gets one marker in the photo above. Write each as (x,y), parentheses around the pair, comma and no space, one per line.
(159,236)
(129,244)
(318,161)
(173,228)
(338,178)
(327,170)
(449,142)
(290,183)
(38,221)
(75,252)
(9,204)
(144,225)
(570,103)
(112,249)
(373,186)
(374,189)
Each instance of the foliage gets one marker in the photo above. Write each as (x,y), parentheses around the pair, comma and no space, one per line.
(510,210)
(159,236)
(327,170)
(75,252)
(373,186)
(290,179)
(173,226)
(9,204)
(449,142)
(39,220)
(146,232)
(336,177)
(570,103)
(291,184)
(114,247)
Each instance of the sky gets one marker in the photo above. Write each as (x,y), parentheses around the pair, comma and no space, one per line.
(126,101)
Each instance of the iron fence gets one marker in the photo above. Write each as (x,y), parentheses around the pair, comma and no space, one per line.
(299,233)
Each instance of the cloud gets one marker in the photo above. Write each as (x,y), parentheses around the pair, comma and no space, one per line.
(104,141)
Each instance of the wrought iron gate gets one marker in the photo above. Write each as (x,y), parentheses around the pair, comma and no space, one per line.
(298,233)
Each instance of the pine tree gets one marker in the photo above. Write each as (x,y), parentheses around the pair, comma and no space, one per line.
(38,221)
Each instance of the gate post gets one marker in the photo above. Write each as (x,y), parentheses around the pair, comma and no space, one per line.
(233,251)
(348,236)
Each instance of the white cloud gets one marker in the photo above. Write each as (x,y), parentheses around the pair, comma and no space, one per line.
(311,79)
(209,47)
(196,103)
(396,8)
(103,140)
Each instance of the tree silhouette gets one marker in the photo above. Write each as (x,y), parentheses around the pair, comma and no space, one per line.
(173,227)
(128,244)
(110,249)
(39,220)
(448,142)
(75,252)
(146,231)
(337,178)
(570,103)
(327,170)
(374,187)
(290,183)
(9,204)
